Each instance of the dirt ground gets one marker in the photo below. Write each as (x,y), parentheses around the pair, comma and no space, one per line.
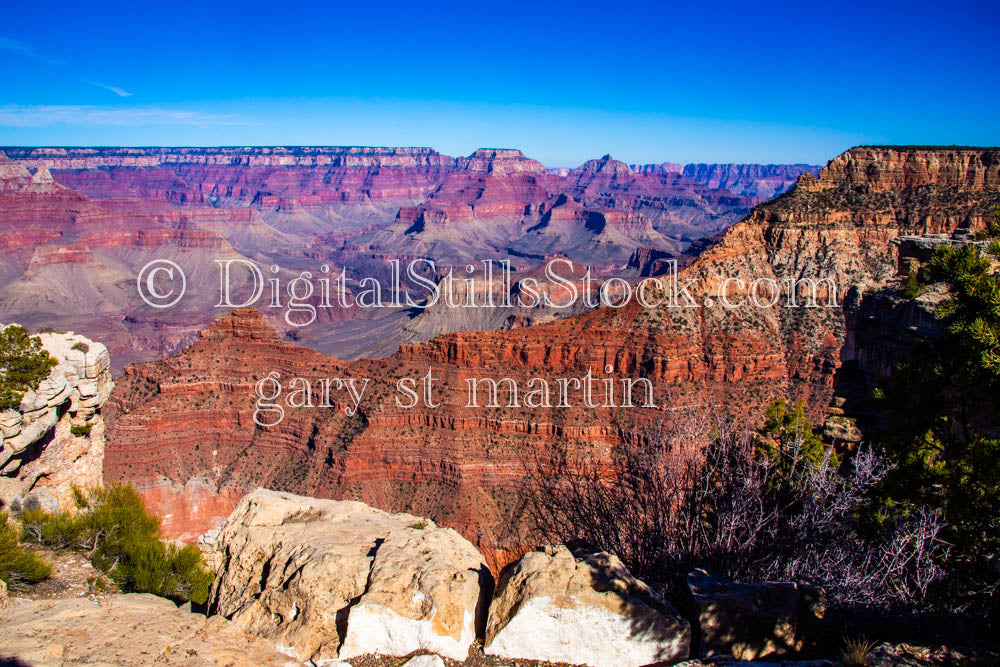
(72,576)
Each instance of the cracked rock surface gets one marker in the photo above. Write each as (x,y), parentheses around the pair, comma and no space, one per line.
(325,579)
(132,629)
(39,452)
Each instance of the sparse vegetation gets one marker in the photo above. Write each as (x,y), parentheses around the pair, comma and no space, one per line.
(914,285)
(80,346)
(993,226)
(80,430)
(856,652)
(23,365)
(788,426)
(18,566)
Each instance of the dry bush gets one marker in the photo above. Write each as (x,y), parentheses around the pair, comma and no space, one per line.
(699,492)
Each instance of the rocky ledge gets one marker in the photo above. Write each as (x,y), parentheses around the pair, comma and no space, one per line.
(326,580)
(129,629)
(55,438)
(338,583)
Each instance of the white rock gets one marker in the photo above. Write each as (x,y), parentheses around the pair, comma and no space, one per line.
(337,579)
(589,610)
(32,402)
(41,423)
(424,661)
(75,389)
(42,499)
(10,421)
(10,464)
(87,388)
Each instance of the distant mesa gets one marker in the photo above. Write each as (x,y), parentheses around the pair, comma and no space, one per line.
(107,211)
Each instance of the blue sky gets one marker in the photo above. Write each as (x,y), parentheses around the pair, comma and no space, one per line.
(646,82)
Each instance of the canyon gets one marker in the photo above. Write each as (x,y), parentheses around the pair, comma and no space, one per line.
(79,224)
(182,429)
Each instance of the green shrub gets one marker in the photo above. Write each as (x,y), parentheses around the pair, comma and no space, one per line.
(79,497)
(117,515)
(152,566)
(23,365)
(787,427)
(80,346)
(82,430)
(913,287)
(993,226)
(18,565)
(940,408)
(58,531)
(122,540)
(127,546)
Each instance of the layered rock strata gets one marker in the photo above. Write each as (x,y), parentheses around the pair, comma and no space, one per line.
(79,225)
(40,451)
(184,431)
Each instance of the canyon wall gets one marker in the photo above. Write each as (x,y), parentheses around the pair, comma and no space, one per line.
(79,225)
(182,429)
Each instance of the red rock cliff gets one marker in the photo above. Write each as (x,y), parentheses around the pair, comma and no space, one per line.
(182,429)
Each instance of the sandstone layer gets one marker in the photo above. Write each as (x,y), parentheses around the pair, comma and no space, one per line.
(133,629)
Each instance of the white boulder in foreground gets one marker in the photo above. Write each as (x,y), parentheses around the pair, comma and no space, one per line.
(326,579)
(553,606)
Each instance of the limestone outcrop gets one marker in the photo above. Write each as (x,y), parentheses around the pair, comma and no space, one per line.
(133,629)
(55,438)
(336,579)
(589,610)
(751,621)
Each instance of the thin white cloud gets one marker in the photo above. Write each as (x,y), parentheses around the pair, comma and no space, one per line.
(114,89)
(15,115)
(26,50)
